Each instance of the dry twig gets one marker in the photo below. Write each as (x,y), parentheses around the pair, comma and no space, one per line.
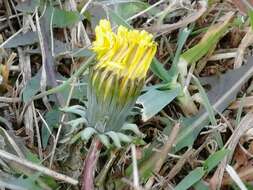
(42,169)
(245,125)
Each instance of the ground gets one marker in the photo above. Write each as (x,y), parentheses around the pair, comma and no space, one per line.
(191,125)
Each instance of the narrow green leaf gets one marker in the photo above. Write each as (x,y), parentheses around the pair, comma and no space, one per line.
(115,138)
(250,13)
(205,101)
(207,43)
(126,10)
(27,6)
(63,18)
(31,88)
(52,120)
(124,138)
(76,122)
(87,133)
(76,109)
(215,159)
(192,178)
(118,19)
(27,38)
(239,112)
(172,74)
(105,140)
(200,186)
(158,69)
(133,128)
(221,95)
(209,110)
(210,39)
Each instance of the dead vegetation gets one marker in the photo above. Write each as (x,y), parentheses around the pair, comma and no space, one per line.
(191,127)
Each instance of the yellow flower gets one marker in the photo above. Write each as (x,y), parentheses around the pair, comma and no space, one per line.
(123,59)
(128,53)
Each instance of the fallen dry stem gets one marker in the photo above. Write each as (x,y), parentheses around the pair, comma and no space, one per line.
(42,169)
(246,41)
(167,28)
(245,124)
(246,174)
(62,121)
(177,168)
(164,153)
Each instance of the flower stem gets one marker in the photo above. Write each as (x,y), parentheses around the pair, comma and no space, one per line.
(187,104)
(90,163)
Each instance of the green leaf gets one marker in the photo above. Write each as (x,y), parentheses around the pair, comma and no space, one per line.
(221,95)
(27,6)
(105,140)
(158,69)
(31,88)
(128,9)
(21,183)
(250,13)
(182,37)
(153,101)
(215,159)
(52,119)
(133,128)
(124,138)
(32,157)
(207,43)
(192,178)
(63,18)
(240,109)
(115,138)
(200,186)
(27,38)
(209,110)
(205,101)
(87,133)
(76,109)
(50,181)
(210,39)
(76,122)
(118,19)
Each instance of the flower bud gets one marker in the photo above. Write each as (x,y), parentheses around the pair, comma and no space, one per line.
(115,82)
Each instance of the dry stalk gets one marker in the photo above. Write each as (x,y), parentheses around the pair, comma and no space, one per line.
(61,124)
(246,41)
(245,124)
(167,28)
(177,168)
(42,169)
(164,153)
(25,65)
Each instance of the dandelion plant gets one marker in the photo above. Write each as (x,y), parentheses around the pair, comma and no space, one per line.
(115,81)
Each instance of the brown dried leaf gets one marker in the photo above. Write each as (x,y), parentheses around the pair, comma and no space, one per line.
(243,5)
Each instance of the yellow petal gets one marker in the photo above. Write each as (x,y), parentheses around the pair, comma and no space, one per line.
(128,52)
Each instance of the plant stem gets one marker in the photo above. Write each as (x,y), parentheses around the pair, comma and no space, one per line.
(100,179)
(90,164)
(187,104)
